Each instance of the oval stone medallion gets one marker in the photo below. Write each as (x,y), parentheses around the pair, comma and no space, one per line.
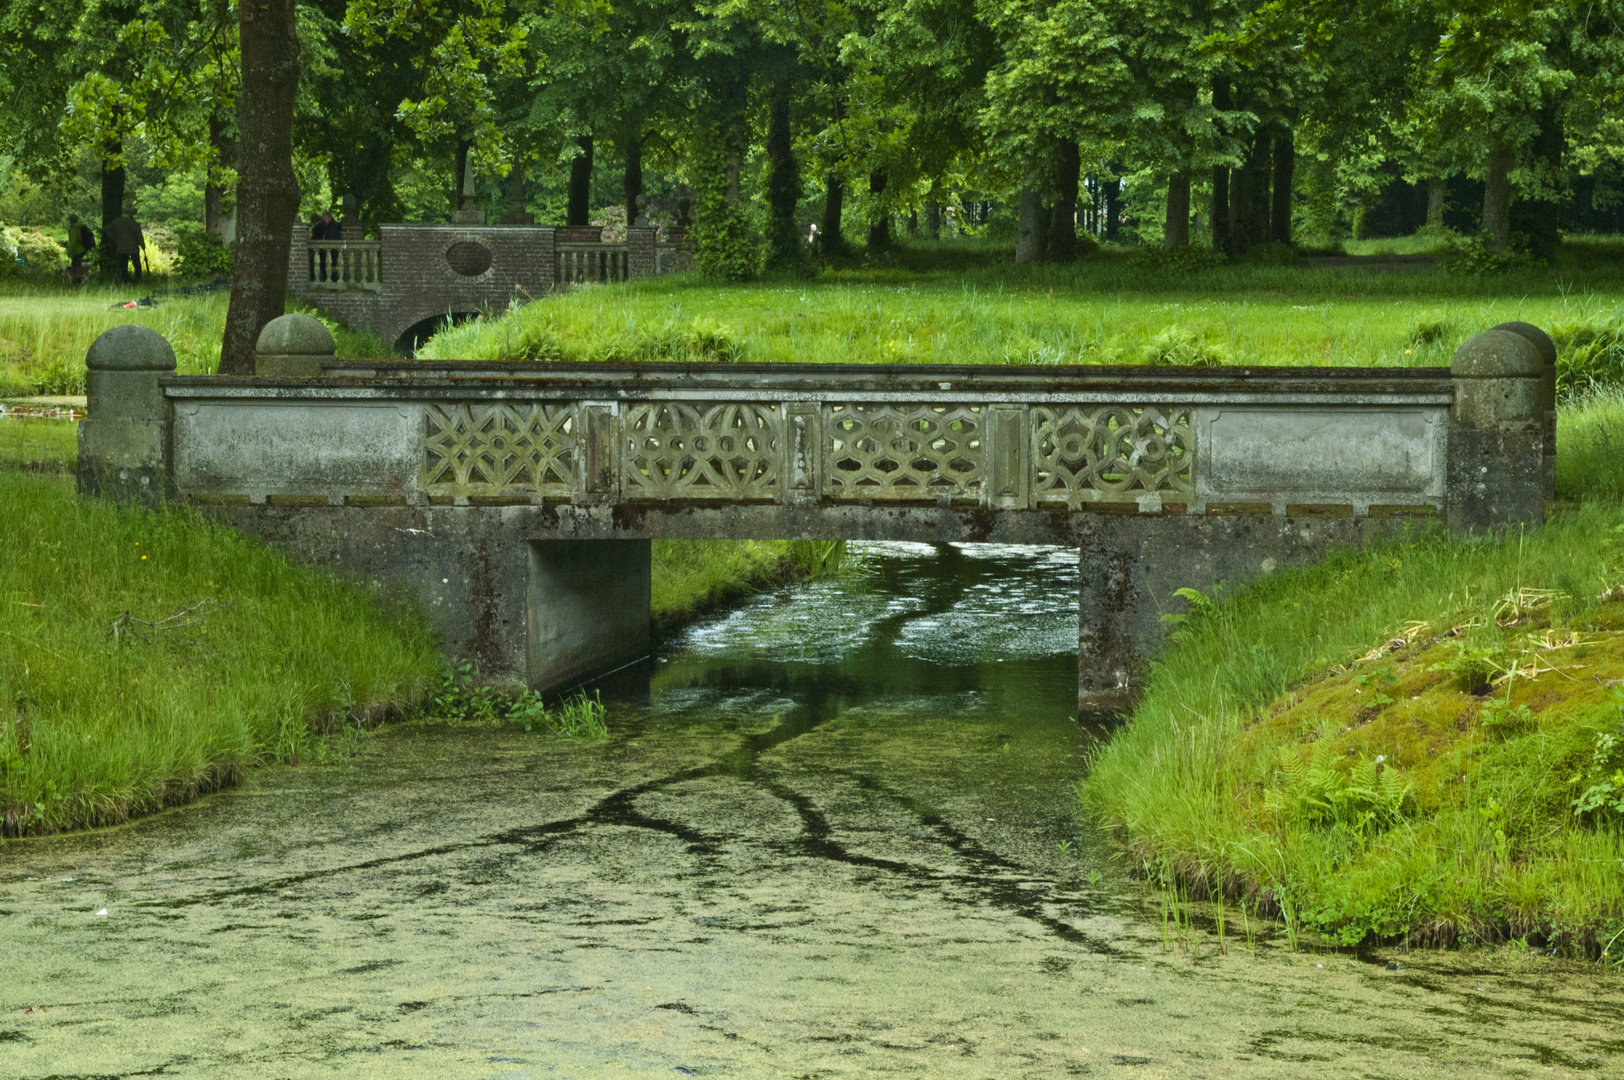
(468,258)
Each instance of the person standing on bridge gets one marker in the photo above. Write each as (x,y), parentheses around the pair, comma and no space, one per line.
(324,228)
(124,232)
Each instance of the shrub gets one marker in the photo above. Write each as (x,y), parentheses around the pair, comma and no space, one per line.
(29,253)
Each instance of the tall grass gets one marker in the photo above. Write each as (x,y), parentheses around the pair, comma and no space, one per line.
(46,331)
(694,577)
(1391,741)
(145,657)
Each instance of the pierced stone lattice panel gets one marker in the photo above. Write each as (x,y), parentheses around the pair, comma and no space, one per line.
(485,449)
(678,450)
(1110,454)
(927,452)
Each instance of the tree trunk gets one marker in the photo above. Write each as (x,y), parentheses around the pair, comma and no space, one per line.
(783,182)
(834,207)
(1285,163)
(1222,236)
(879,229)
(112,199)
(933,220)
(214,214)
(1176,232)
(1249,198)
(1113,206)
(1062,238)
(268,193)
(578,210)
(1496,225)
(459,170)
(1437,192)
(632,181)
(1030,242)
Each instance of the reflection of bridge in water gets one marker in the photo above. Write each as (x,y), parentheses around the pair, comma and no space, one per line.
(518,500)
(416,277)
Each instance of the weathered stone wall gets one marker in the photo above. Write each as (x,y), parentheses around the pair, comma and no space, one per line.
(433,271)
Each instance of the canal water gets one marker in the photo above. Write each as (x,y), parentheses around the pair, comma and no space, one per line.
(832,834)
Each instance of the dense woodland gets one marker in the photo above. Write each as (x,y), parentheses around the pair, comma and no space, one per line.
(1235,125)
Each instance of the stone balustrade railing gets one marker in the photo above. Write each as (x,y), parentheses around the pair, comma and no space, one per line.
(591,264)
(339,265)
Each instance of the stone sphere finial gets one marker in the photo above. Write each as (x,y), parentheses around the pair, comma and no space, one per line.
(130,348)
(295,335)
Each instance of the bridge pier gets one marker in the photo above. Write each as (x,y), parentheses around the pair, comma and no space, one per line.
(586,608)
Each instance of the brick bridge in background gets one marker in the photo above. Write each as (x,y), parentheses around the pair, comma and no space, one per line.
(414,278)
(518,500)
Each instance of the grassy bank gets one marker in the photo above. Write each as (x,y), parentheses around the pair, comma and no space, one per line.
(146,658)
(1420,742)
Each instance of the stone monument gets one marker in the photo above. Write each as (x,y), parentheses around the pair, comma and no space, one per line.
(469,212)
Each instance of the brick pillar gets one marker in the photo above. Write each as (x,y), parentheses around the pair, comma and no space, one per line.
(547,253)
(124,438)
(640,241)
(1496,469)
(299,261)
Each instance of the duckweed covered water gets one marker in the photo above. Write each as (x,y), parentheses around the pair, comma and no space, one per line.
(833,837)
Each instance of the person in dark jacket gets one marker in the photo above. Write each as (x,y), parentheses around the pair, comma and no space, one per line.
(128,244)
(324,228)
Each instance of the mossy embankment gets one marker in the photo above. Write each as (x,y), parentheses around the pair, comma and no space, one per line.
(1421,742)
(149,657)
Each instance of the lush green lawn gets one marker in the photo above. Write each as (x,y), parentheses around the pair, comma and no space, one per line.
(1110,310)
(1390,744)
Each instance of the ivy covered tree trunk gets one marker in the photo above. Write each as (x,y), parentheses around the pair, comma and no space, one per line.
(578,209)
(632,180)
(112,200)
(268,193)
(834,207)
(783,182)
(1061,246)
(1285,164)
(1113,205)
(1176,232)
(1437,193)
(1032,240)
(725,245)
(214,213)
(1496,224)
(879,229)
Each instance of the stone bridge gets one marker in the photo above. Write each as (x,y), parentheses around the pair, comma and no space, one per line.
(412,279)
(518,500)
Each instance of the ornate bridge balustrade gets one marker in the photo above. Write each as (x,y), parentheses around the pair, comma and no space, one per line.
(518,500)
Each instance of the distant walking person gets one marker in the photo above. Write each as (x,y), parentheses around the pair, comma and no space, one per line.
(128,244)
(81,242)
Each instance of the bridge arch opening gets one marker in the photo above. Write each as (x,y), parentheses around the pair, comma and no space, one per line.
(414,336)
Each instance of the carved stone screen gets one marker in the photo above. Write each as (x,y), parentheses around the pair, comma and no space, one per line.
(1112,453)
(684,450)
(486,449)
(906,452)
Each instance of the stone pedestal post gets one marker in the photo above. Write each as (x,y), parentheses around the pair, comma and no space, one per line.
(588,608)
(1497,434)
(293,347)
(640,252)
(124,439)
(1547,353)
